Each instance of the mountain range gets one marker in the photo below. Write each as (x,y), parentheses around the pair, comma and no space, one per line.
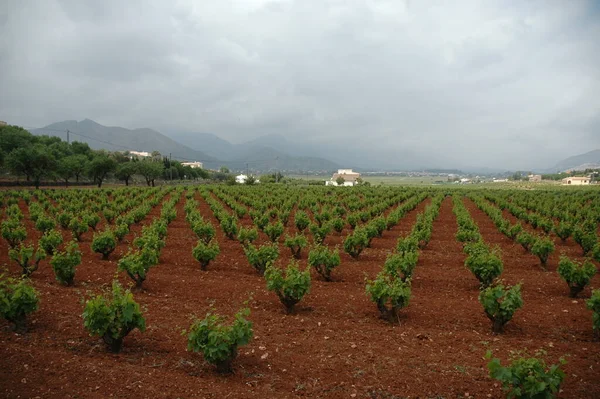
(265,153)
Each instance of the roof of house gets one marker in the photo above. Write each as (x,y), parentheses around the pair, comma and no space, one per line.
(576,178)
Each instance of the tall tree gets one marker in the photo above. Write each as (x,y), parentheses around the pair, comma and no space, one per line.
(13,137)
(150,170)
(35,162)
(126,170)
(71,166)
(99,167)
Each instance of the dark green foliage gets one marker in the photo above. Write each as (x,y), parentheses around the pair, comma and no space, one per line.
(324,260)
(17,299)
(64,263)
(356,242)
(104,243)
(485,264)
(78,227)
(319,232)
(576,275)
(247,236)
(500,303)
(301,220)
(295,244)
(401,265)
(50,241)
(274,230)
(229,226)
(390,294)
(113,318)
(290,286)
(205,253)
(219,342)
(203,230)
(26,257)
(542,248)
(526,240)
(13,232)
(259,258)
(594,305)
(137,263)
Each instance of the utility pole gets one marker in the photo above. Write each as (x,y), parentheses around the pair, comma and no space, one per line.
(247,173)
(170,168)
(68,141)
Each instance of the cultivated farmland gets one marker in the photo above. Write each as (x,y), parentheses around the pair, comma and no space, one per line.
(187,251)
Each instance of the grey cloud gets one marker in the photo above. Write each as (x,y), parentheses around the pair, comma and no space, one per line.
(462,83)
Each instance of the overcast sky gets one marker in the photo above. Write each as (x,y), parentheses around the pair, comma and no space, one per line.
(500,83)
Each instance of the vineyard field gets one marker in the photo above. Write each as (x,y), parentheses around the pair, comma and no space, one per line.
(335,344)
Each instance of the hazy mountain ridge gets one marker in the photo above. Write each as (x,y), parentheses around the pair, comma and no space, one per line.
(588,160)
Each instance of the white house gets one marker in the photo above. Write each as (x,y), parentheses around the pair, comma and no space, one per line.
(348,175)
(194,165)
(241,179)
(576,181)
(140,153)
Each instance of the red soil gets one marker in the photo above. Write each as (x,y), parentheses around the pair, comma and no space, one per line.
(335,346)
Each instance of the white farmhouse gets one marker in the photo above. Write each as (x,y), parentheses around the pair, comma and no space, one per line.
(576,181)
(194,165)
(348,175)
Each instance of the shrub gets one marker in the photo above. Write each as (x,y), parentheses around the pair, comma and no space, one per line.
(204,253)
(564,230)
(576,275)
(50,241)
(407,244)
(467,235)
(219,342)
(13,232)
(527,377)
(247,236)
(319,232)
(274,230)
(149,240)
(104,243)
(338,224)
(500,303)
(64,263)
(45,224)
(17,299)
(136,264)
(91,219)
(301,220)
(203,230)
(596,252)
(113,318)
(262,256)
(78,227)
(514,230)
(356,242)
(586,239)
(64,218)
(594,305)
(390,294)
(27,258)
(121,231)
(229,226)
(542,248)
(290,286)
(485,266)
(109,214)
(324,260)
(353,220)
(526,240)
(295,244)
(401,265)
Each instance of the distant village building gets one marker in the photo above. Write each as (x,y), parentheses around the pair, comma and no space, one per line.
(194,165)
(500,180)
(2,123)
(350,178)
(576,181)
(143,154)
(535,178)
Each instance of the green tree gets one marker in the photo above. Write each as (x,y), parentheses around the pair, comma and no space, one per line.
(99,167)
(13,137)
(340,181)
(71,166)
(125,171)
(35,162)
(150,170)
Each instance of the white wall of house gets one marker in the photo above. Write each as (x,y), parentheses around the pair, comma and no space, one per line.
(572,181)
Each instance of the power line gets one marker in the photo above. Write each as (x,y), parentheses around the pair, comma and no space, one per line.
(68,131)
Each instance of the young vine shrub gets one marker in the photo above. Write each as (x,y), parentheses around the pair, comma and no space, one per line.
(91,219)
(50,241)
(514,231)
(259,258)
(218,341)
(500,303)
(104,243)
(290,286)
(324,260)
(204,230)
(13,232)
(113,318)
(542,248)
(407,244)
(527,377)
(338,224)
(17,299)
(575,274)
(229,226)
(401,265)
(353,220)
(586,239)
(44,223)
(109,214)
(301,220)
(78,227)
(26,257)
(205,253)
(390,294)
(121,231)
(594,305)
(467,235)
(64,263)
(247,236)
(136,264)
(64,218)
(319,232)
(356,242)
(596,252)
(296,243)
(274,230)
(564,230)
(526,240)
(486,265)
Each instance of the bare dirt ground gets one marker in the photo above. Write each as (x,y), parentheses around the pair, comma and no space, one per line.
(334,347)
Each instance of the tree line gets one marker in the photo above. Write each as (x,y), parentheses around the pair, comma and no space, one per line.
(44,158)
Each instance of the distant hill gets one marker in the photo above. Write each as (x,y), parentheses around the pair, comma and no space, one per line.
(579,162)
(114,138)
(207,148)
